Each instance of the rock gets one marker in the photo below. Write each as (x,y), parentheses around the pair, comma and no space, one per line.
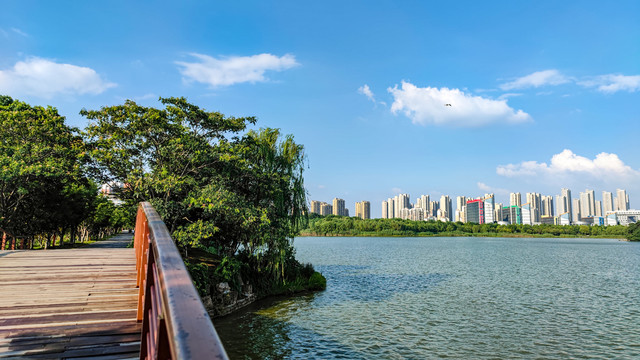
(224,288)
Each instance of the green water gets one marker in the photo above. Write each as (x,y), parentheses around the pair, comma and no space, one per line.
(460,298)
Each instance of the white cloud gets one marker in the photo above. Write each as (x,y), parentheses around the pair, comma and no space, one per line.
(19,32)
(508,95)
(233,69)
(44,78)
(396,190)
(490,189)
(366,91)
(428,105)
(605,166)
(537,79)
(612,83)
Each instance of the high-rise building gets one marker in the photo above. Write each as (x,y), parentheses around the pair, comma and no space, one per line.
(547,206)
(423,202)
(326,209)
(497,212)
(489,207)
(338,207)
(607,202)
(576,214)
(461,203)
(527,218)
(535,201)
(315,207)
(402,201)
(446,207)
(622,200)
(434,207)
(563,202)
(415,214)
(587,204)
(515,199)
(511,214)
(598,208)
(385,210)
(363,210)
(475,211)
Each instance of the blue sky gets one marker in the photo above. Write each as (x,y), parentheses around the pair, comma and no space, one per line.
(543,94)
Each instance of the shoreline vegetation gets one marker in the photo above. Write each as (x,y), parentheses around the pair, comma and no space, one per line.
(341,226)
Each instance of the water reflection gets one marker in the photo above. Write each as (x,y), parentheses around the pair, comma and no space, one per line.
(265,332)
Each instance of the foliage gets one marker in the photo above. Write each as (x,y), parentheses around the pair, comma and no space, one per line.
(633,232)
(239,197)
(317,282)
(42,184)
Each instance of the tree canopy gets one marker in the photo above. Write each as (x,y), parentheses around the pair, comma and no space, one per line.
(42,184)
(217,188)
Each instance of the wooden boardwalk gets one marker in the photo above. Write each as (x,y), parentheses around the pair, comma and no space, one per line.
(70,304)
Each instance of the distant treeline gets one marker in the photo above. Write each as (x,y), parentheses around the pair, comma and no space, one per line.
(351,226)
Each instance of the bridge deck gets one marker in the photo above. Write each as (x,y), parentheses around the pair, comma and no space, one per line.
(70,304)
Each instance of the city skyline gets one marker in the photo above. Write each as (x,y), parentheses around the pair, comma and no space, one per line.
(386,97)
(536,208)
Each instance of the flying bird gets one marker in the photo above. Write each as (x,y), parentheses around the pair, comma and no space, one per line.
(447,104)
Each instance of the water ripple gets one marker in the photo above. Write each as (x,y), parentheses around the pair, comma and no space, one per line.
(452,298)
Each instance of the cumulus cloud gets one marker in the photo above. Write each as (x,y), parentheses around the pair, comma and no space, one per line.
(366,91)
(45,78)
(612,83)
(537,79)
(429,105)
(225,71)
(603,166)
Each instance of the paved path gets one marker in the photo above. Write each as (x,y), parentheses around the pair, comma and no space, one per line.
(70,303)
(121,240)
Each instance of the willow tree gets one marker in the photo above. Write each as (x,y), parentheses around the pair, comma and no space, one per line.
(217,186)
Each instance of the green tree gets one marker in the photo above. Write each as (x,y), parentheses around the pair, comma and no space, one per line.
(217,189)
(633,232)
(41,176)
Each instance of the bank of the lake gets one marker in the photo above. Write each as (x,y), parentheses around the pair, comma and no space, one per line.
(351,226)
(448,234)
(457,297)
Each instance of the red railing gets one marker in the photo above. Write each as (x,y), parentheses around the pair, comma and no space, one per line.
(175,324)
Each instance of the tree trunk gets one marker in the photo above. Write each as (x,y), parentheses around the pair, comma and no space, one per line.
(4,240)
(13,242)
(73,235)
(22,244)
(47,243)
(61,238)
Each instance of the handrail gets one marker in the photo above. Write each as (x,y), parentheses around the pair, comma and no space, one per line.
(175,324)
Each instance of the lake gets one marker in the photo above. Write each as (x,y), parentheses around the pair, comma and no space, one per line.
(460,298)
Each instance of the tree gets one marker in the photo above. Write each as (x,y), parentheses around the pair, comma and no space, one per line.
(41,174)
(216,189)
(633,232)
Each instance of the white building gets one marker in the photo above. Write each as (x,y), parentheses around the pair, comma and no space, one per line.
(622,200)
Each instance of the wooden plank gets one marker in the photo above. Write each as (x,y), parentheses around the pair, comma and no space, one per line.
(69,303)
